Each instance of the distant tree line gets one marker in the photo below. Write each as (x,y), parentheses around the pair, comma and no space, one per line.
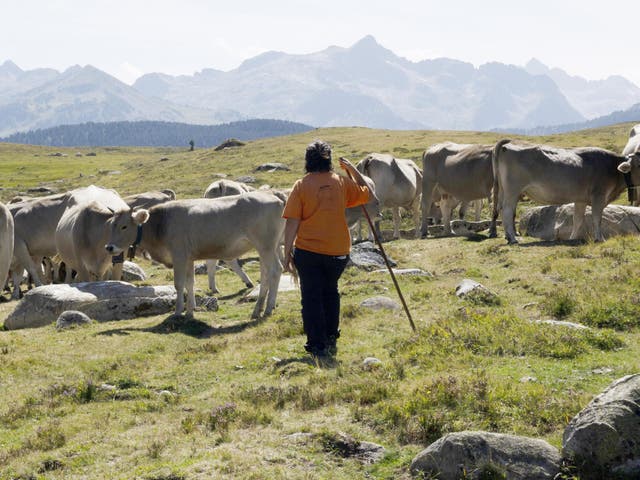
(154,133)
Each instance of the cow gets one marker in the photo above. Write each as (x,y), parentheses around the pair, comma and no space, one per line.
(6,243)
(149,199)
(355,214)
(81,233)
(555,176)
(217,189)
(179,232)
(225,188)
(462,171)
(35,221)
(398,183)
(633,146)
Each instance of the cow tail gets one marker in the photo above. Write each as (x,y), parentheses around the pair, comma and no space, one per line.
(495,196)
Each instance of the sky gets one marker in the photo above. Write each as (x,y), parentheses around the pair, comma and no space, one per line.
(128,38)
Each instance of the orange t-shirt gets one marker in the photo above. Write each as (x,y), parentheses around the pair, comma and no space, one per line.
(318,200)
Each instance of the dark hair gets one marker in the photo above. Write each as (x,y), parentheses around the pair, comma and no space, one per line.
(318,157)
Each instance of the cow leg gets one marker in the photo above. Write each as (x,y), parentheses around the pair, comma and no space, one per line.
(416,218)
(427,200)
(116,271)
(597,207)
(395,213)
(508,217)
(179,280)
(270,271)
(447,204)
(237,269)
(578,220)
(190,284)
(463,210)
(21,253)
(16,277)
(211,273)
(478,206)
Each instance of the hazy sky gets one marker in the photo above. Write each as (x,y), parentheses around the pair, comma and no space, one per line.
(590,38)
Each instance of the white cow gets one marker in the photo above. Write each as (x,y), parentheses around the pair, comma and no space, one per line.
(633,146)
(398,183)
(149,199)
(460,171)
(6,243)
(178,233)
(217,189)
(555,176)
(81,233)
(35,222)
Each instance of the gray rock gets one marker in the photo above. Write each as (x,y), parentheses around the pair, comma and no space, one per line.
(556,222)
(132,272)
(405,271)
(210,304)
(271,167)
(480,453)
(201,269)
(346,446)
(246,179)
(476,292)
(563,323)
(379,303)
(605,435)
(466,229)
(365,255)
(70,318)
(286,284)
(102,301)
(45,190)
(370,363)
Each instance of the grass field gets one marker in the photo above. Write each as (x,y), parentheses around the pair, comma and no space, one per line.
(220,396)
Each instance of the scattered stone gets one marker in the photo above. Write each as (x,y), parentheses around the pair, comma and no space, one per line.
(132,272)
(556,222)
(220,175)
(43,190)
(379,303)
(229,143)
(487,455)
(476,292)
(78,154)
(246,179)
(102,301)
(264,187)
(90,154)
(210,304)
(605,435)
(370,363)
(367,256)
(107,387)
(528,380)
(71,318)
(563,323)
(406,271)
(201,269)
(271,167)
(348,447)
(467,229)
(602,371)
(286,284)
(164,159)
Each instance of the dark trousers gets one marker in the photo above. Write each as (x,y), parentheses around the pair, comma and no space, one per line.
(319,276)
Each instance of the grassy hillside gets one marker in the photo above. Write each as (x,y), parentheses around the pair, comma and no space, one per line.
(220,396)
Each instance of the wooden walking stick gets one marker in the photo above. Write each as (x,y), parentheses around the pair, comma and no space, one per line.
(386,260)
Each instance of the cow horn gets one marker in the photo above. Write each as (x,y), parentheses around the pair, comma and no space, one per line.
(111,210)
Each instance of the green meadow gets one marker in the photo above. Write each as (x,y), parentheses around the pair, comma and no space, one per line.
(221,396)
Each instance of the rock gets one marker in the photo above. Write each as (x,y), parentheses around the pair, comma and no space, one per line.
(210,304)
(378,303)
(370,363)
(102,301)
(44,190)
(556,222)
(563,323)
(132,272)
(476,292)
(405,271)
(246,179)
(286,285)
(229,143)
(91,154)
(201,269)
(467,229)
(605,435)
(476,455)
(346,446)
(271,167)
(365,255)
(70,318)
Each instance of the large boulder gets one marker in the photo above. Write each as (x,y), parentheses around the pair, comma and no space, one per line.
(476,455)
(604,438)
(556,222)
(102,301)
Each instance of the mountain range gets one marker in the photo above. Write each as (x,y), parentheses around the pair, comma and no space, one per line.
(365,85)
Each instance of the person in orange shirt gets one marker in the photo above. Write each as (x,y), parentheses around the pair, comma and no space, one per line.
(317,241)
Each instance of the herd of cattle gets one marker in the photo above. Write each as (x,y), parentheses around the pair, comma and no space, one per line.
(86,229)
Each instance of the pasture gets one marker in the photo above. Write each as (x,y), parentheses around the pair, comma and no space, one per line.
(219,396)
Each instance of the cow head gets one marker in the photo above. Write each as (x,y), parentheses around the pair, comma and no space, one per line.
(632,164)
(124,229)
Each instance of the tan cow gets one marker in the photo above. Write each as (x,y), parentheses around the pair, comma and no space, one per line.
(459,170)
(149,199)
(398,183)
(354,214)
(178,233)
(35,222)
(81,233)
(6,243)
(633,146)
(555,176)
